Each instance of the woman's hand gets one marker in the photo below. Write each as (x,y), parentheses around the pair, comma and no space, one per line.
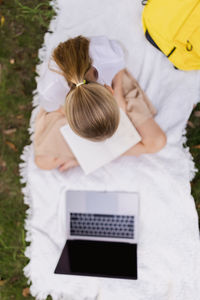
(68,164)
(118,90)
(117,82)
(48,162)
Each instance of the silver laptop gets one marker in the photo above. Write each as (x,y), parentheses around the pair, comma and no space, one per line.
(102,234)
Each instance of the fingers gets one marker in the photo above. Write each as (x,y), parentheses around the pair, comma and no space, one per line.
(67,165)
(120,101)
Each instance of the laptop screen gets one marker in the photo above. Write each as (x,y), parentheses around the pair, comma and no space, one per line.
(102,234)
(98,258)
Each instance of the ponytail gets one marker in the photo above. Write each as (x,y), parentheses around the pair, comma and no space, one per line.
(73,58)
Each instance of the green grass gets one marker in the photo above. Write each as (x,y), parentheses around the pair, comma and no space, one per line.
(193,140)
(21,36)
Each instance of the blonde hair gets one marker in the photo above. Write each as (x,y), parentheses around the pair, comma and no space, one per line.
(91,110)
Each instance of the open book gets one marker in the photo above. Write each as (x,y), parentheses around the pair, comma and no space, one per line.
(93,155)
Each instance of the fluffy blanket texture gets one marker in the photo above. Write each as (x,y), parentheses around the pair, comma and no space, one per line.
(169,246)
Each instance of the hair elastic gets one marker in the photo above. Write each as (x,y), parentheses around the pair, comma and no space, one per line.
(84,81)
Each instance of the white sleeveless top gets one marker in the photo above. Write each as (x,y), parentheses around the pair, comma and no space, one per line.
(108,59)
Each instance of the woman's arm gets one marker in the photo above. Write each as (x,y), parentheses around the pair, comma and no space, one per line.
(153,137)
(46,162)
(49,162)
(60,110)
(117,90)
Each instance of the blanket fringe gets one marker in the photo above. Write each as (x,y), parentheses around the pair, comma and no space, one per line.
(23,170)
(191,164)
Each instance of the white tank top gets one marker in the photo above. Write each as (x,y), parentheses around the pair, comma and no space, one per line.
(108,59)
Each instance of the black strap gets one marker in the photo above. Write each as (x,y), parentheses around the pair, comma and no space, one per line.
(149,38)
(144,2)
(170,53)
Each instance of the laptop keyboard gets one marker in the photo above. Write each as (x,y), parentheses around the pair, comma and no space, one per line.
(101,225)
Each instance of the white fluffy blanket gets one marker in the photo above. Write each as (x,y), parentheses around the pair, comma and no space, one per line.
(169,245)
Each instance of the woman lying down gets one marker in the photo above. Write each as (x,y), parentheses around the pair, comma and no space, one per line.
(84,85)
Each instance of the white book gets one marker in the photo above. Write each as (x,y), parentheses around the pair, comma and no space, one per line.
(93,155)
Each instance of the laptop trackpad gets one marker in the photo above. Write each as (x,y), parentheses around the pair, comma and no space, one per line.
(98,258)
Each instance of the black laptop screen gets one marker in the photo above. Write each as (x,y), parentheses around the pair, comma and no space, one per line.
(98,258)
